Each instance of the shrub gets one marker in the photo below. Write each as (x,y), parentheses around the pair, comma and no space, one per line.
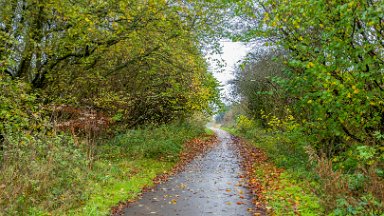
(244,123)
(163,141)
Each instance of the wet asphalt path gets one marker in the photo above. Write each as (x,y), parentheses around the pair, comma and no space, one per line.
(209,185)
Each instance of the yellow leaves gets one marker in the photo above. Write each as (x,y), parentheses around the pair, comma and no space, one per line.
(301,38)
(310,65)
(266,17)
(371,23)
(296,24)
(355,90)
(351,4)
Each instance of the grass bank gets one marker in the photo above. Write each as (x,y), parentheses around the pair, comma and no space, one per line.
(296,180)
(280,176)
(130,161)
(51,176)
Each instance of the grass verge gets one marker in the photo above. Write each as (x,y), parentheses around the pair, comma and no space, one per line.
(129,162)
(281,186)
(119,181)
(51,175)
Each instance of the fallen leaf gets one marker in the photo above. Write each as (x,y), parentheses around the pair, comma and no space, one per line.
(173,202)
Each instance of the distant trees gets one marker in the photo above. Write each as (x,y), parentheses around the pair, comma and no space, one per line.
(256,83)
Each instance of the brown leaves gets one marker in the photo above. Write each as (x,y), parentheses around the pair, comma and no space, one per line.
(192,149)
(252,156)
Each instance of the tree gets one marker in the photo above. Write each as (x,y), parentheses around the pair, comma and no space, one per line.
(256,83)
(140,58)
(336,64)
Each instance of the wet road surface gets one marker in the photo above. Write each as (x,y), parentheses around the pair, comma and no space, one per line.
(209,185)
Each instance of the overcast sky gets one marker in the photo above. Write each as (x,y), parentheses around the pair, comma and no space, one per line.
(232,53)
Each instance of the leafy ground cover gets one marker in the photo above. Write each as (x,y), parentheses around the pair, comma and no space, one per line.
(138,160)
(277,190)
(293,180)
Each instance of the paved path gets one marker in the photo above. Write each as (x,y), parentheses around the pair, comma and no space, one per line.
(208,186)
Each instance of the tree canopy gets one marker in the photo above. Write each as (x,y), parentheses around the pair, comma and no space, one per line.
(142,59)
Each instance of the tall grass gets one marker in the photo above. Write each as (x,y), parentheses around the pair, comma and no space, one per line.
(40,174)
(48,175)
(340,193)
(161,142)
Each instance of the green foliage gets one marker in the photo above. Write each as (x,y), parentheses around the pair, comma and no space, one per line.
(292,197)
(140,60)
(334,83)
(358,193)
(44,175)
(133,63)
(130,161)
(244,124)
(295,190)
(17,108)
(335,66)
(40,173)
(286,149)
(257,83)
(118,180)
(161,142)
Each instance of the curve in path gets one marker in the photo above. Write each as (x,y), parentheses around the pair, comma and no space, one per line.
(209,185)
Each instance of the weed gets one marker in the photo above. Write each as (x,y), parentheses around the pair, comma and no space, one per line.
(43,175)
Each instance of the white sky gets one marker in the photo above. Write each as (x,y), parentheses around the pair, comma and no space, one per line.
(232,53)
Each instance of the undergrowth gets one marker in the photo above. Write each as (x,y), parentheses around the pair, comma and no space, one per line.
(315,182)
(130,161)
(50,176)
(290,191)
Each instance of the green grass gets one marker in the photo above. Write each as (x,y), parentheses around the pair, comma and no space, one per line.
(119,181)
(294,189)
(162,142)
(129,162)
(53,176)
(285,194)
(209,131)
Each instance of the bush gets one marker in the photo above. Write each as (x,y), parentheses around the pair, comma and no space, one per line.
(163,142)
(244,124)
